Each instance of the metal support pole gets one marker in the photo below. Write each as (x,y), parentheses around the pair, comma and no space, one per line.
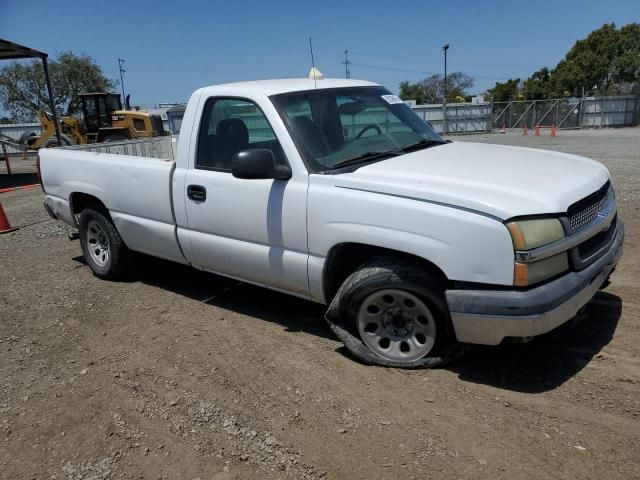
(522,116)
(122,70)
(490,122)
(6,158)
(347,62)
(444,100)
(547,113)
(534,121)
(52,104)
(502,113)
(578,107)
(581,111)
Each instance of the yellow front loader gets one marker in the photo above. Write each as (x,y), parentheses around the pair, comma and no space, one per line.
(103,120)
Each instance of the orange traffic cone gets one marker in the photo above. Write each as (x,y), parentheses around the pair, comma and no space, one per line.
(525,132)
(536,131)
(553,130)
(4,222)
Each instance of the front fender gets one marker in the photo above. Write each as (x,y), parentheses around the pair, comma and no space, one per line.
(466,245)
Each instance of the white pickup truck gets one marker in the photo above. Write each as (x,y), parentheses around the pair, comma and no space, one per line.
(336,191)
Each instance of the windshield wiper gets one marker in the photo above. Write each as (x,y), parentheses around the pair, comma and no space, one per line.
(366,157)
(424,143)
(369,156)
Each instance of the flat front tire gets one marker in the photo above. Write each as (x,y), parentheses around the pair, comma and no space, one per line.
(103,248)
(391,312)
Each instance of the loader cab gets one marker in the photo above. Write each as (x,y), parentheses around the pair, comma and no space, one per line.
(97,109)
(106,121)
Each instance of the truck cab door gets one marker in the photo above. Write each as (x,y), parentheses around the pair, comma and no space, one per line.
(255,229)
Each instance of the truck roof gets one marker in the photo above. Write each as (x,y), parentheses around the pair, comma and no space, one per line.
(285,85)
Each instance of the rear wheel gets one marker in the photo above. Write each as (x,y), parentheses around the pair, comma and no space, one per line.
(391,312)
(103,248)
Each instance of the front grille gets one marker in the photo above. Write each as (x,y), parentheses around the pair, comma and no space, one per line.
(591,246)
(586,210)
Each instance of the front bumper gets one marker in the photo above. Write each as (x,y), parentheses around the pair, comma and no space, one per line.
(489,316)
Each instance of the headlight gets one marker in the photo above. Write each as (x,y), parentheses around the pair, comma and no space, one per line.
(525,274)
(528,234)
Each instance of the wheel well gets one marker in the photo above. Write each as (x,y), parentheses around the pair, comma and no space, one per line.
(345,258)
(124,132)
(80,201)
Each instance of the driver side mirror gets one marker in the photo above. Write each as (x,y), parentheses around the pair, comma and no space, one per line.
(258,163)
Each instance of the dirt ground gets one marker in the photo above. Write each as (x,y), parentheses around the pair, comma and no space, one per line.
(178,374)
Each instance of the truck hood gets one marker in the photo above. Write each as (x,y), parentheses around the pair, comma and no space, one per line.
(496,180)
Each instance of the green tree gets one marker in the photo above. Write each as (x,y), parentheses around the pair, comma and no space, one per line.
(607,59)
(431,89)
(504,92)
(540,85)
(23,88)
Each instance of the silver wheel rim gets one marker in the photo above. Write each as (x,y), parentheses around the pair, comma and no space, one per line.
(396,325)
(97,243)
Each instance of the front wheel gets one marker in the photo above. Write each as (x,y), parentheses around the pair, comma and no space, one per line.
(103,248)
(391,312)
(65,141)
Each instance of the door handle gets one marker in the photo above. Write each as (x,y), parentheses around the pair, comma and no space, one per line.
(197,193)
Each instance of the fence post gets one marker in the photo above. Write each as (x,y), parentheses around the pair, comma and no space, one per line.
(6,158)
(444,117)
(490,122)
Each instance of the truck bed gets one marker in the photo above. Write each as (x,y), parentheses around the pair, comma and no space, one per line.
(136,189)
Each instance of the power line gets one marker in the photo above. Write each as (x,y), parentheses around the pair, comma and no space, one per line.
(415,59)
(420,72)
(392,69)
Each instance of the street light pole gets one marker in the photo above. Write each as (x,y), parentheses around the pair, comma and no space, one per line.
(444,102)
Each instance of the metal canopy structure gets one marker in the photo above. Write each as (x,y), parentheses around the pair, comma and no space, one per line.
(14,51)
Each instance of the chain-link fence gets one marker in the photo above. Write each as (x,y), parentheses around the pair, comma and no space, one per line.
(585,112)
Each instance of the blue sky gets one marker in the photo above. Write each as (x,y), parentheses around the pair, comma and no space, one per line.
(174,47)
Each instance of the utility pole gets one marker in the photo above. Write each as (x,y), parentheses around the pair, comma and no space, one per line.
(346,63)
(122,70)
(444,102)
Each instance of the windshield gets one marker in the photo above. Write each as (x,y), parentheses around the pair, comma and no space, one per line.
(339,127)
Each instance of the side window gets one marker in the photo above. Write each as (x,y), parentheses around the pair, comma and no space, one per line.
(138,124)
(228,126)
